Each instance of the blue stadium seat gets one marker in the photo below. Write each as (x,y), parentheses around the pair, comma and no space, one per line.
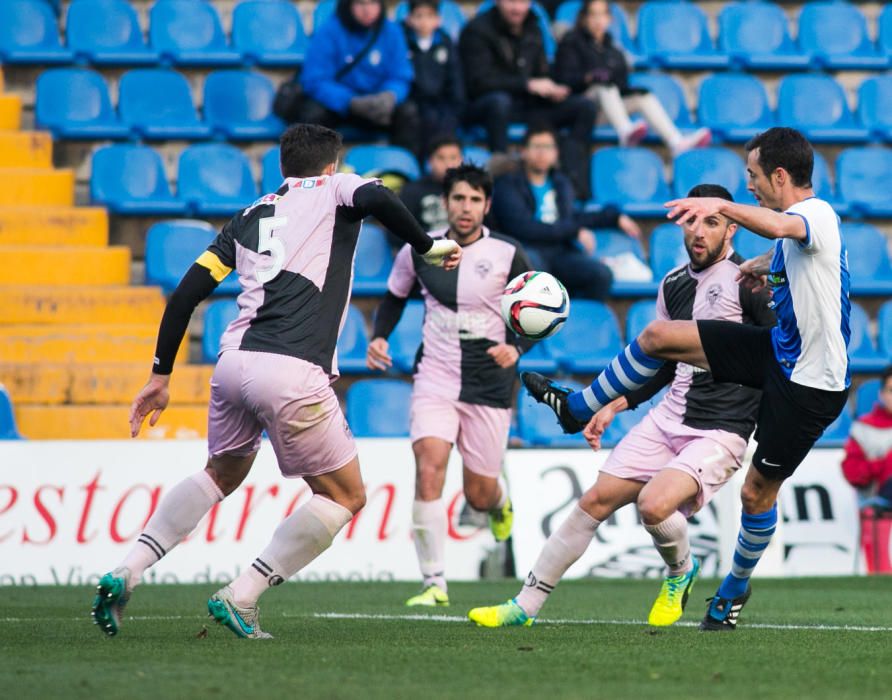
(756,37)
(215,179)
(750,245)
(862,178)
(816,105)
(323,10)
(379,408)
(544,25)
(884,330)
(188,33)
(238,106)
(372,160)
(477,155)
(537,426)
(884,23)
(676,35)
(630,178)
(271,178)
(835,34)
(8,429)
(611,243)
(836,434)
(406,337)
(130,179)
(450,11)
(638,316)
(863,355)
(589,340)
(29,33)
(172,247)
(73,103)
(219,315)
(866,396)
(538,359)
(875,106)
(824,187)
(870,269)
(670,94)
(353,343)
(372,262)
(269,33)
(717,166)
(115,40)
(156,103)
(734,106)
(667,249)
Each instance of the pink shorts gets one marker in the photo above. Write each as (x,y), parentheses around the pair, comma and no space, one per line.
(710,456)
(479,432)
(289,398)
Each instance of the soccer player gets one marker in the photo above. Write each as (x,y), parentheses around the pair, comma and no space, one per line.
(673,462)
(293,251)
(801,364)
(465,370)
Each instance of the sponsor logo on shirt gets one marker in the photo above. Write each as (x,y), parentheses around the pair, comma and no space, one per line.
(483,268)
(265,199)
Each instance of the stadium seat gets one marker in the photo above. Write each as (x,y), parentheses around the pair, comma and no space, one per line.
(450,11)
(816,105)
(870,269)
(667,249)
(749,245)
(81,304)
(406,337)
(538,359)
(10,112)
(835,34)
(119,382)
(875,107)
(670,94)
(156,103)
(172,246)
(638,316)
(372,262)
(55,266)
(353,343)
(824,187)
(718,166)
(734,106)
(862,178)
(756,37)
(8,430)
(29,33)
(269,33)
(884,23)
(836,434)
(108,422)
(215,179)
(537,426)
(676,35)
(323,10)
(379,408)
(114,41)
(866,396)
(544,24)
(188,33)
(863,355)
(73,103)
(53,226)
(477,155)
(630,178)
(373,160)
(36,186)
(271,177)
(238,106)
(612,246)
(219,315)
(589,340)
(130,179)
(26,149)
(884,330)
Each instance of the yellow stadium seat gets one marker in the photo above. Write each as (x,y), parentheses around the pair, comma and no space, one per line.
(119,383)
(34,265)
(10,112)
(107,422)
(36,383)
(62,304)
(37,186)
(26,149)
(65,343)
(54,226)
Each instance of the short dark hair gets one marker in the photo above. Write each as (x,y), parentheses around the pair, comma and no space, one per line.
(443,140)
(305,149)
(783,147)
(433,4)
(474,175)
(536,129)
(884,377)
(710,191)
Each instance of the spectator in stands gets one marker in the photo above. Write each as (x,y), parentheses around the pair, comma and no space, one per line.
(535,206)
(438,89)
(507,79)
(589,63)
(868,461)
(358,73)
(424,196)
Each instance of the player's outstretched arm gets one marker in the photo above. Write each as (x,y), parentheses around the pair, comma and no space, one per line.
(760,220)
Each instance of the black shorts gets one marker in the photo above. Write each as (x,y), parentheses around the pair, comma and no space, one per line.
(791,416)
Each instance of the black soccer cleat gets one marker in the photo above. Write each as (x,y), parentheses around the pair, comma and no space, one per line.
(554,396)
(721,613)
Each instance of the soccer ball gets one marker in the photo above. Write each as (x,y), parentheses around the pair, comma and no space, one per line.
(535,305)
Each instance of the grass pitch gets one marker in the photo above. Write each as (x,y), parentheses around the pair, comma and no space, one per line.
(814,638)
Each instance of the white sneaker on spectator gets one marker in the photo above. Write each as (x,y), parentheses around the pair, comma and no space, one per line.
(698,139)
(635,135)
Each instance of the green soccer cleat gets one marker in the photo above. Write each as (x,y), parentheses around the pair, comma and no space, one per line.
(431,597)
(508,614)
(669,605)
(243,622)
(112,595)
(501,521)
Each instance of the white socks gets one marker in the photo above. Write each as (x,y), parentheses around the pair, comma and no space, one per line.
(177,515)
(560,552)
(503,495)
(430,526)
(672,542)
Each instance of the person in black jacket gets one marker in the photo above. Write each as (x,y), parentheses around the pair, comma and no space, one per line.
(589,63)
(424,196)
(535,206)
(507,80)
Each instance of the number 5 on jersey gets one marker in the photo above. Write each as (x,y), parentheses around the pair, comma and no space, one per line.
(274,246)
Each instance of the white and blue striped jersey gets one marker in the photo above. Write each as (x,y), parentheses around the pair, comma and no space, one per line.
(810,294)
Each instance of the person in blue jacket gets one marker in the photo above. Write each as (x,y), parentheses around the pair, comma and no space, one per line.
(358,73)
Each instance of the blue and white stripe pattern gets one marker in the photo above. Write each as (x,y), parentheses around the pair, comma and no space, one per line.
(755,533)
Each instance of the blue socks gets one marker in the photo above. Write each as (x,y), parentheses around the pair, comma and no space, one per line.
(629,370)
(754,536)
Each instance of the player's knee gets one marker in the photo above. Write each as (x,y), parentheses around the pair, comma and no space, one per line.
(654,508)
(754,499)
(354,501)
(480,496)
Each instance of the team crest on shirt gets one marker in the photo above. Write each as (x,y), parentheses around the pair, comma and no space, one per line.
(440,55)
(483,268)
(713,294)
(271,198)
(375,57)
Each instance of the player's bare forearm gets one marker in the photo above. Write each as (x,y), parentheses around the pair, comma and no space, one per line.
(765,222)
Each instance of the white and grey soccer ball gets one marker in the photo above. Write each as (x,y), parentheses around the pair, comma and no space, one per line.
(535,305)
